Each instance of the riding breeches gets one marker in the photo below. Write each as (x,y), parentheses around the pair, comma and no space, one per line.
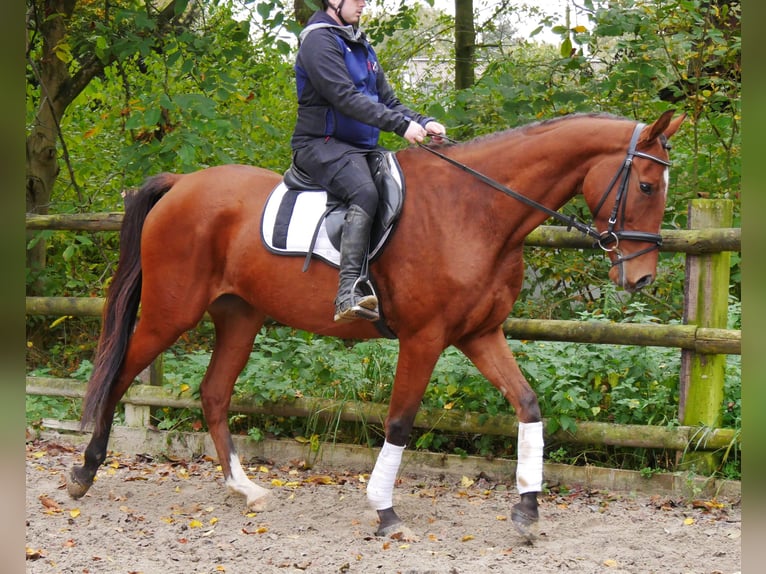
(346,177)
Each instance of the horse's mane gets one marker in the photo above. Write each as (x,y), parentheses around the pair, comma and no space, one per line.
(532,127)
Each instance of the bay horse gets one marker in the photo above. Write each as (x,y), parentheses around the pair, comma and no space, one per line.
(449,275)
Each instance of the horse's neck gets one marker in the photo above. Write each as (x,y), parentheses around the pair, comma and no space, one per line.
(548,167)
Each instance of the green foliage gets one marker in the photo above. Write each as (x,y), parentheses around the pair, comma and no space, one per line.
(40,407)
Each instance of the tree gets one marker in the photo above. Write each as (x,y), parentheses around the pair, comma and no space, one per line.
(465,44)
(65,50)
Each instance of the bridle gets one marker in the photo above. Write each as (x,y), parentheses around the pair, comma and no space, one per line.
(623,175)
(612,235)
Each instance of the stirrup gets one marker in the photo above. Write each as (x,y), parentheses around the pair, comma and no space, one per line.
(354,312)
(358,306)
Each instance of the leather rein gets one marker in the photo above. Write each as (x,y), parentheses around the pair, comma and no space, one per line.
(611,235)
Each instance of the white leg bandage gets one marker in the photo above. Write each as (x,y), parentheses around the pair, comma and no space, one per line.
(238,482)
(529,469)
(380,489)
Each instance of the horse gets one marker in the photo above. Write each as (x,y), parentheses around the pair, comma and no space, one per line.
(449,275)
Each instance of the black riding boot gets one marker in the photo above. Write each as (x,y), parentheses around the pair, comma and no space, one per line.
(351,303)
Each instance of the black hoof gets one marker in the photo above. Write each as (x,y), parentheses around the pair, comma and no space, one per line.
(525,517)
(75,486)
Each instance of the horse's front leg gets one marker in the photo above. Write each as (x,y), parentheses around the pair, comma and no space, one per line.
(413,371)
(492,356)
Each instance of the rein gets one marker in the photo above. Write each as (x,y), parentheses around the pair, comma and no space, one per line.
(602,240)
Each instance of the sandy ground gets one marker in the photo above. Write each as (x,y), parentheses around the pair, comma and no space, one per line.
(176,517)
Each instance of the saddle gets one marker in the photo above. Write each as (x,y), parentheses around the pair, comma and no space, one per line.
(301,218)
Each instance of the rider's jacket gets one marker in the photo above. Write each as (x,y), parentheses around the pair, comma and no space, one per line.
(342,90)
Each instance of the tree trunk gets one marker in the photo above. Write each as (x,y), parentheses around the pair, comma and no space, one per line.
(465,44)
(42,157)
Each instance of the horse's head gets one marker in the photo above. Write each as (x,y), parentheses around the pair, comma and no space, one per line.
(626,192)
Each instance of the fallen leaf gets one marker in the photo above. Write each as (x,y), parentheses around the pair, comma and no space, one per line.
(74,513)
(34,554)
(465,482)
(688,521)
(610,563)
(49,503)
(195,524)
(324,479)
(707,504)
(467,537)
(501,517)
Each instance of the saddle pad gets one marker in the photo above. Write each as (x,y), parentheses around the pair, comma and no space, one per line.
(291,216)
(290,219)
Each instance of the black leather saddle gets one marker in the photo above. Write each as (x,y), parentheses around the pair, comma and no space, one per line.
(388,179)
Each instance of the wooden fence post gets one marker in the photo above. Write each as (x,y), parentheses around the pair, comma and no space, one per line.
(139,416)
(706,305)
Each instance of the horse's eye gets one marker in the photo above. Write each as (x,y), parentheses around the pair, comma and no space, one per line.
(646,188)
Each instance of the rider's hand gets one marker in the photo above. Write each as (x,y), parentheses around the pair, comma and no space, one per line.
(435,129)
(415,133)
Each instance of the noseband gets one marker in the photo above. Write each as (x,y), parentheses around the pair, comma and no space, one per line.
(612,235)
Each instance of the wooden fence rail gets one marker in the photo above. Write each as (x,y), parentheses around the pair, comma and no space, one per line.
(704,340)
(639,436)
(690,241)
(701,340)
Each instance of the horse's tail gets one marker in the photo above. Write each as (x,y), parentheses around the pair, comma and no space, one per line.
(122,300)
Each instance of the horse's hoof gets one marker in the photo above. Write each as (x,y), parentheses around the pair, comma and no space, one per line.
(398,531)
(526,524)
(261,503)
(75,487)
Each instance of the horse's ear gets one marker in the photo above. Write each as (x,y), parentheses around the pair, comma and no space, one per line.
(664,125)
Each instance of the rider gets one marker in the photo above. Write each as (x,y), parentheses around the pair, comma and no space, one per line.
(344,101)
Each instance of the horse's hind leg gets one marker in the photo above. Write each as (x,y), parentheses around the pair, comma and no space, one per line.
(492,356)
(236,325)
(145,345)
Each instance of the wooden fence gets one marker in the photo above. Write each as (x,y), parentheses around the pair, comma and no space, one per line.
(703,339)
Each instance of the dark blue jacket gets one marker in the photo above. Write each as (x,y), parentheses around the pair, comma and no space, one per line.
(342,91)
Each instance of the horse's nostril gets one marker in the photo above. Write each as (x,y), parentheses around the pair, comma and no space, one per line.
(644,281)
